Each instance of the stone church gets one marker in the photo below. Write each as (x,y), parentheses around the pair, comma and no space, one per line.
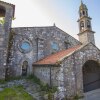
(50,53)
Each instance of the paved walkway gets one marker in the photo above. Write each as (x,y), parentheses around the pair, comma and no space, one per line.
(92,95)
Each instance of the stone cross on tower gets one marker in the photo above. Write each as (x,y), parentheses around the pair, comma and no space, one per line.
(86,35)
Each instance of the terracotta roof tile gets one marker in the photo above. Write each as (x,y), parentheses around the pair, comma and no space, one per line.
(52,59)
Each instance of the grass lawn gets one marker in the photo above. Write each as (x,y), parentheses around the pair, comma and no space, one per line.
(15,93)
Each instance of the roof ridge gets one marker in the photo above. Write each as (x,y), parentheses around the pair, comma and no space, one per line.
(33,27)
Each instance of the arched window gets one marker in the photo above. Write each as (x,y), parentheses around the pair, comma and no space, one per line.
(86,13)
(88,24)
(80,14)
(24,68)
(82,25)
(83,12)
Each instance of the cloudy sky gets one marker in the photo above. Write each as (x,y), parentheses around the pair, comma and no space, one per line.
(64,13)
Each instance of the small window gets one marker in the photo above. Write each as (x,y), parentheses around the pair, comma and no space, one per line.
(86,13)
(2,15)
(67,45)
(83,12)
(24,68)
(2,11)
(88,24)
(25,46)
(80,14)
(82,25)
(54,46)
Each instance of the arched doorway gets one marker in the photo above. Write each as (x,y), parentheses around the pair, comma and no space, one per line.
(91,76)
(24,68)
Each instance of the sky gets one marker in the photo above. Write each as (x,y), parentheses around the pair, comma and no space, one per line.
(64,13)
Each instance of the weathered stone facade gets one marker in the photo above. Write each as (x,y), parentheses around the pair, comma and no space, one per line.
(40,40)
(73,67)
(31,50)
(6,11)
(68,74)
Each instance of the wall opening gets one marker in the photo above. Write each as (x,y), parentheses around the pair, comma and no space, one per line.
(91,76)
(88,24)
(24,68)
(81,25)
(67,44)
(2,14)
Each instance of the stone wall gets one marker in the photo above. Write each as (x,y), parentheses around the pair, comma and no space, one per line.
(43,40)
(4,36)
(47,74)
(72,69)
(68,76)
(86,37)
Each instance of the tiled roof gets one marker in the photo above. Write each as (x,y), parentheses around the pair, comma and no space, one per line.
(54,58)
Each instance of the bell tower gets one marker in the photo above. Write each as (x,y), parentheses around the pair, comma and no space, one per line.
(6,15)
(86,35)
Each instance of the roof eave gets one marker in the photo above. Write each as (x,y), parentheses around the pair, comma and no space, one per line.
(46,65)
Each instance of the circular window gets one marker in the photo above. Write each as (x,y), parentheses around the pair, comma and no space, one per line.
(25,46)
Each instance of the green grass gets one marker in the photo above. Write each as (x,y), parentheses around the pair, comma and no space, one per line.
(15,93)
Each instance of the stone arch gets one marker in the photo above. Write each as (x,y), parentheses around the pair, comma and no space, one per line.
(83,59)
(21,63)
(24,68)
(91,75)
(82,25)
(83,13)
(88,24)
(29,68)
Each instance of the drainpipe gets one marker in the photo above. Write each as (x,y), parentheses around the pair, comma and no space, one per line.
(74,70)
(37,46)
(50,78)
